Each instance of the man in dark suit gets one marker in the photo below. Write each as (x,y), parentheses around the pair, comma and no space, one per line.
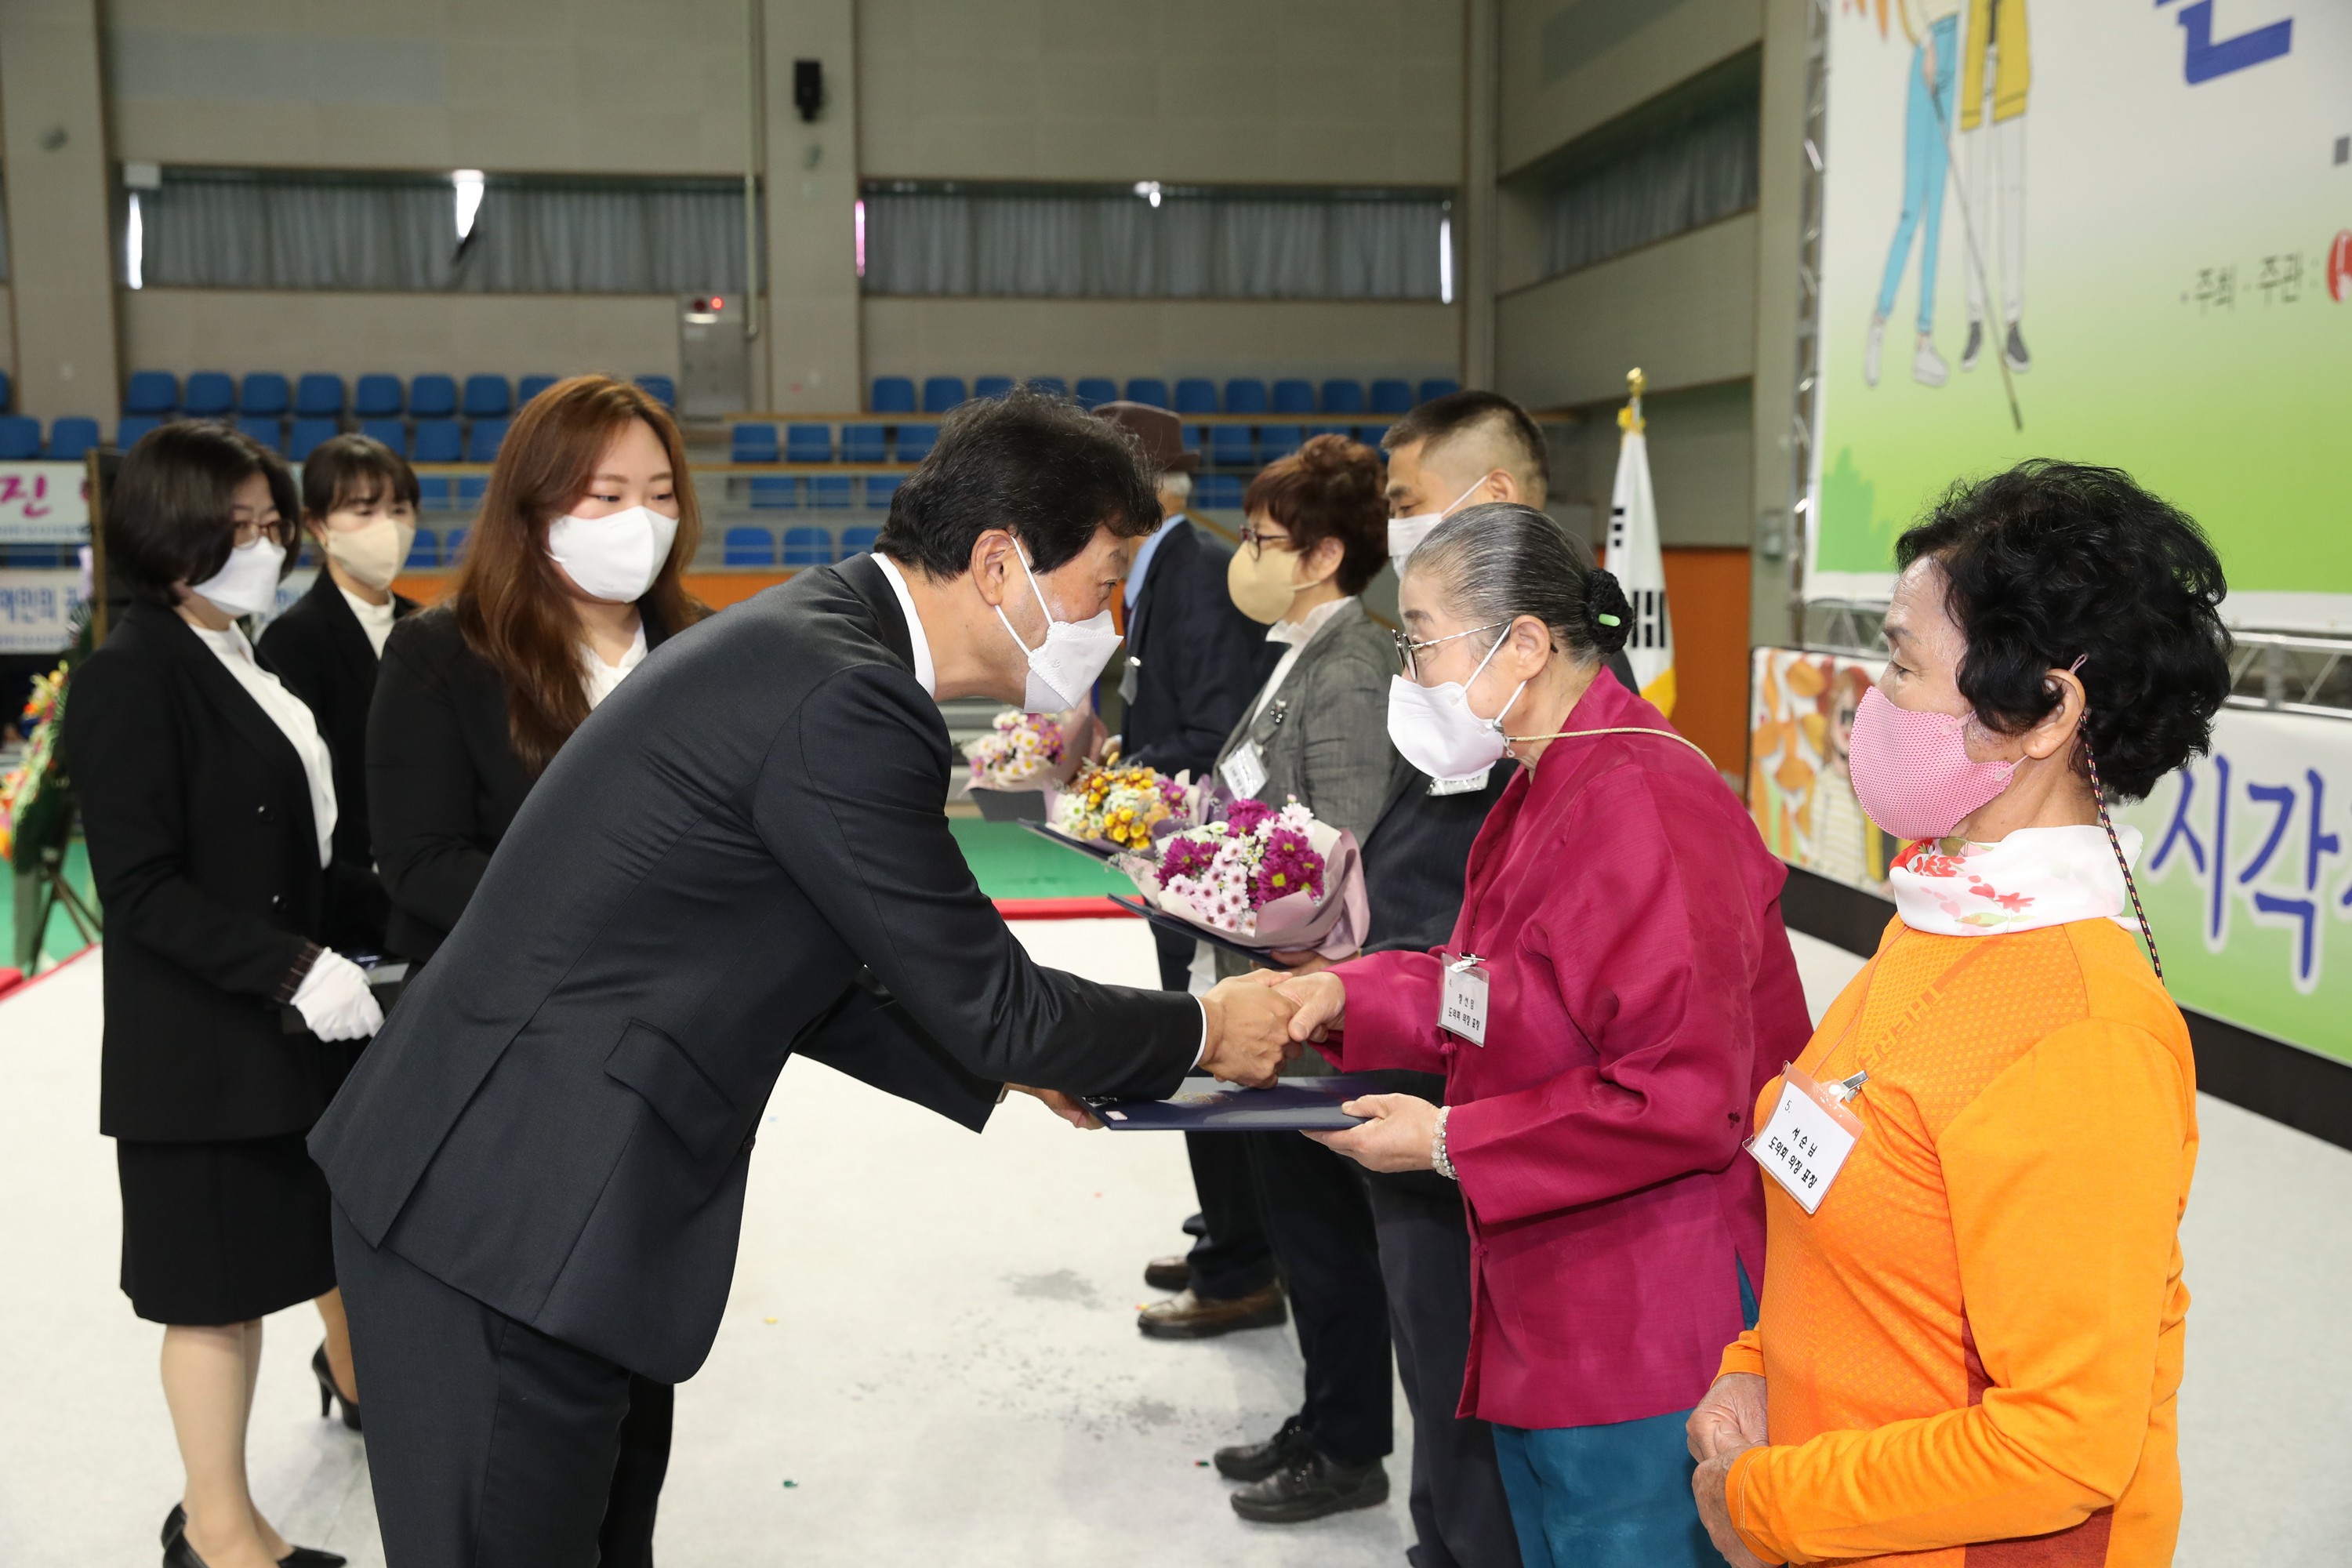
(539,1167)
(1193,661)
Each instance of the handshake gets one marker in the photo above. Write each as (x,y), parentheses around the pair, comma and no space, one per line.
(1258,1021)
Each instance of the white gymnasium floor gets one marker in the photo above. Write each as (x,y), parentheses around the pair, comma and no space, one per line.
(932,1338)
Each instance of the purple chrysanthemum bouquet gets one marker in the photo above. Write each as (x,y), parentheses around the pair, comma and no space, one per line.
(1264,877)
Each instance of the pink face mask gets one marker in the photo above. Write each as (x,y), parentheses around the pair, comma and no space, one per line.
(1912,771)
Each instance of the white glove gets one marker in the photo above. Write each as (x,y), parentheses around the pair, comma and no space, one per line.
(335,1002)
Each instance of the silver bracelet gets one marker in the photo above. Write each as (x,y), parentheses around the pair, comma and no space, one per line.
(1437,1156)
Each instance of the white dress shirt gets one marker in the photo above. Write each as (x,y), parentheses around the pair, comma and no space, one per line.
(294,720)
(600,678)
(1297,634)
(927,676)
(375,619)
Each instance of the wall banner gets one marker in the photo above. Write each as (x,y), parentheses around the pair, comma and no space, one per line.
(44,504)
(1800,712)
(36,609)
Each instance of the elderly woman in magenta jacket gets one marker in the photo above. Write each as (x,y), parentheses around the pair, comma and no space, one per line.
(1634,989)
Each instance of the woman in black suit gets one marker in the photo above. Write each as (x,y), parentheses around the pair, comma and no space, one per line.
(208,800)
(571,573)
(359,507)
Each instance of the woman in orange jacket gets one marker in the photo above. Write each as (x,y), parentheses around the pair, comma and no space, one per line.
(1972,1313)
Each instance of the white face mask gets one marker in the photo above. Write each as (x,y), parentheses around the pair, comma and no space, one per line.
(1405,533)
(615,557)
(1063,667)
(374,551)
(247,583)
(1433,729)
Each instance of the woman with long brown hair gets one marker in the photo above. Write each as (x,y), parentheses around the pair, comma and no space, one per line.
(572,574)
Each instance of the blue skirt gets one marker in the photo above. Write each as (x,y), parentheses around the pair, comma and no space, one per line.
(1617,1496)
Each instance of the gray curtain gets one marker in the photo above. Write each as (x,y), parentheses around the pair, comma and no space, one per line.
(242,229)
(1694,173)
(1119,246)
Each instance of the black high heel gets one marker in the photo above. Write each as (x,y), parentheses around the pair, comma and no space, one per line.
(329,1397)
(178,1553)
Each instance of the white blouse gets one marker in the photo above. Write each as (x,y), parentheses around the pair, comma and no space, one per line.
(374,619)
(294,720)
(600,678)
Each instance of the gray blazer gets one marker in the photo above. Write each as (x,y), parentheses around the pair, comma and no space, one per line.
(1323,737)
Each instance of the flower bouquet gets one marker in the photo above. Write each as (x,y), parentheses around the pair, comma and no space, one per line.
(1024,758)
(1118,807)
(1259,877)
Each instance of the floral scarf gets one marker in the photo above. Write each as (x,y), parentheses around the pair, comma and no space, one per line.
(2036,877)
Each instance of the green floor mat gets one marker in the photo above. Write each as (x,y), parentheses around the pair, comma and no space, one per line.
(1013,863)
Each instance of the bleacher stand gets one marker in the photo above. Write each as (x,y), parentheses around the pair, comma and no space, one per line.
(1277,441)
(71,436)
(483,438)
(1438,387)
(807,547)
(270,433)
(880,488)
(131,427)
(753,444)
(1217,491)
(471,488)
(20,437)
(453,547)
(438,440)
(749,547)
(780,491)
(914,442)
(318,396)
(154,392)
(264,396)
(663,389)
(864,444)
(1245,395)
(1392,397)
(392,433)
(941,393)
(377,396)
(990,386)
(1230,447)
(308,436)
(530,386)
(858,540)
(1096,390)
(1292,397)
(893,395)
(1196,394)
(433,397)
(831,492)
(211,395)
(1052,385)
(808,443)
(424,550)
(488,397)
(1148,389)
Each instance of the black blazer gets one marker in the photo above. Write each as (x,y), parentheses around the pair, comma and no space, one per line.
(444,779)
(741,855)
(1197,660)
(320,651)
(206,859)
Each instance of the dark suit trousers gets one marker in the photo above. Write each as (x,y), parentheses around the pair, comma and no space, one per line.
(1459,1510)
(1231,1258)
(1320,1224)
(489,1443)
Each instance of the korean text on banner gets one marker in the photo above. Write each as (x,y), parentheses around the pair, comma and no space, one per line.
(43,503)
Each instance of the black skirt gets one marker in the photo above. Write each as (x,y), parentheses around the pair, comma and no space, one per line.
(223,1232)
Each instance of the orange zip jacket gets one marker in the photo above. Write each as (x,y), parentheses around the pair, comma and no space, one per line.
(1973,1351)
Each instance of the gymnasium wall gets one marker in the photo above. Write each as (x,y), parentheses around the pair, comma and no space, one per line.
(1570,68)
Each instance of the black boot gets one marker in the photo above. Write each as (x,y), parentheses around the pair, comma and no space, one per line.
(1255,1461)
(1311,1485)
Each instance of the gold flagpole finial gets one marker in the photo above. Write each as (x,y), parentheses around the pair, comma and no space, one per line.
(1630,416)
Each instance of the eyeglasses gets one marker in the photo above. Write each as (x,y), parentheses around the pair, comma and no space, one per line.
(248,530)
(1254,540)
(1407,648)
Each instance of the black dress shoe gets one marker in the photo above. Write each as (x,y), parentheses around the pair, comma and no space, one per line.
(1311,1485)
(1168,1273)
(329,1395)
(311,1557)
(1186,1316)
(1255,1461)
(175,1530)
(175,1522)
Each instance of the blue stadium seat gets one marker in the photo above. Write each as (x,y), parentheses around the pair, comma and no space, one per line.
(1148,389)
(1245,395)
(431,397)
(392,433)
(1052,385)
(1192,438)
(71,436)
(1219,490)
(749,547)
(990,386)
(530,386)
(1277,441)
(1392,396)
(808,547)
(1196,394)
(131,427)
(268,432)
(483,438)
(1438,386)
(453,547)
(662,388)
(211,395)
(318,396)
(915,442)
(377,396)
(1343,397)
(424,550)
(148,392)
(1347,431)
(1294,396)
(438,441)
(754,444)
(808,443)
(1230,447)
(893,395)
(307,436)
(863,444)
(264,396)
(432,492)
(1371,435)
(1095,390)
(880,488)
(831,492)
(488,397)
(780,491)
(941,393)
(857,541)
(471,488)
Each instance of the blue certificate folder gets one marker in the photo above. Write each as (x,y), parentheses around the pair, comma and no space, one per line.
(1204,1105)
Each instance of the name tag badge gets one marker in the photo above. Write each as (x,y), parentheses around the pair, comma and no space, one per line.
(1462,1008)
(1811,1131)
(1129,683)
(1470,785)
(1244,771)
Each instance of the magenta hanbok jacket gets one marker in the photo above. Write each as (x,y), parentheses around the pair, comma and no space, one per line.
(1640,994)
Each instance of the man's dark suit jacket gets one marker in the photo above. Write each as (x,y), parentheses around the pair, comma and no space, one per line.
(558,1116)
(444,778)
(321,652)
(206,859)
(1200,660)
